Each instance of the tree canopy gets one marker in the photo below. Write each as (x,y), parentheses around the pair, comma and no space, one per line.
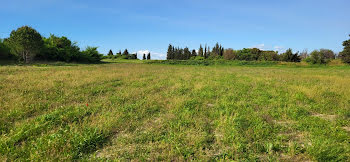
(25,43)
(345,54)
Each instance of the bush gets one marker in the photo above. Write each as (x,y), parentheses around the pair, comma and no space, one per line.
(317,57)
(199,58)
(289,56)
(328,54)
(124,57)
(90,54)
(268,56)
(248,54)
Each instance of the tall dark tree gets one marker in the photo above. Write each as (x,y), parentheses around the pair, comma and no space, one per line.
(194,53)
(169,55)
(200,51)
(126,52)
(25,43)
(149,56)
(216,50)
(110,53)
(221,50)
(144,57)
(205,51)
(345,54)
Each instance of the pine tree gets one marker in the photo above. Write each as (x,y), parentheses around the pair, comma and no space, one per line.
(25,42)
(222,51)
(110,53)
(144,57)
(149,56)
(126,52)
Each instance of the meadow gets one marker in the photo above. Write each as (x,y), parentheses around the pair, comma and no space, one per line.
(157,111)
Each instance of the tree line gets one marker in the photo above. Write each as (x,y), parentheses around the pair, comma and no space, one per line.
(322,56)
(120,55)
(126,55)
(25,44)
(219,52)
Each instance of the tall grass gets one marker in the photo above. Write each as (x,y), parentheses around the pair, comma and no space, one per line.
(133,111)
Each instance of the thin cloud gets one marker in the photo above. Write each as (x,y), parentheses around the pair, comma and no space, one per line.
(279,48)
(154,55)
(259,46)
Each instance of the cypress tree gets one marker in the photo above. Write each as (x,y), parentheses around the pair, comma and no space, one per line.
(144,57)
(205,51)
(169,53)
(149,56)
(110,53)
(200,51)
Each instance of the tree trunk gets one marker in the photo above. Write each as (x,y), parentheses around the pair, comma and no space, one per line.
(27,57)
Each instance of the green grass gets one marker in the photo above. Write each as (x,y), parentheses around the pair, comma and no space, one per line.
(144,110)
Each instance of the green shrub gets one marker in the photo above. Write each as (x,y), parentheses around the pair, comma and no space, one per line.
(317,57)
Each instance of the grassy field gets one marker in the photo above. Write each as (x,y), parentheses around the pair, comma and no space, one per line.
(137,111)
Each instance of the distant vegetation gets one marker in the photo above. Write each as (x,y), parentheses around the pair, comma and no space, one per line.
(322,56)
(27,45)
(120,55)
(345,54)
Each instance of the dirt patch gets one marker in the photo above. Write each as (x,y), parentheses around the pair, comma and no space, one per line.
(210,105)
(284,122)
(296,158)
(325,116)
(346,128)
